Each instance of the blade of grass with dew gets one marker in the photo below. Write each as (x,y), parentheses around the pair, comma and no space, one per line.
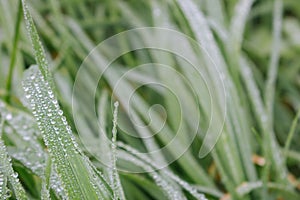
(6,165)
(28,151)
(103,143)
(3,183)
(56,184)
(3,177)
(117,187)
(45,191)
(237,26)
(39,51)
(234,44)
(75,175)
(70,165)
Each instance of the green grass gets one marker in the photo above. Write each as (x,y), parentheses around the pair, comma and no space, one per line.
(63,137)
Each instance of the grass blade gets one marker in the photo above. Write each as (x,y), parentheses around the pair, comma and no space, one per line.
(75,174)
(39,51)
(6,166)
(45,195)
(117,187)
(270,87)
(69,163)
(275,56)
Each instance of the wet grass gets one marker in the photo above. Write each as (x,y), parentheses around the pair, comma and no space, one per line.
(248,88)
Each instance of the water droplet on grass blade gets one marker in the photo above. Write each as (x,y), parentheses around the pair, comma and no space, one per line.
(8,116)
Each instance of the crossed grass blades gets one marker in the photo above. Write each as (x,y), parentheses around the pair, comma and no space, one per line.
(257,156)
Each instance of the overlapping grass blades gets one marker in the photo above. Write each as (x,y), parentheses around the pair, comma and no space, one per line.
(79,180)
(258,63)
(7,173)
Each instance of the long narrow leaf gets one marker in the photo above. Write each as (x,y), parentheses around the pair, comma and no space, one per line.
(70,165)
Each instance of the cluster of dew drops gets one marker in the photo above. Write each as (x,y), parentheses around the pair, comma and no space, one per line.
(47,113)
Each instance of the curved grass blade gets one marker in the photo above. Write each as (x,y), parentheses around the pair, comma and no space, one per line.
(69,163)
(149,165)
(170,192)
(75,174)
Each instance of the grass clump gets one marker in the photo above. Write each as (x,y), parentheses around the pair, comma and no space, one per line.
(239,87)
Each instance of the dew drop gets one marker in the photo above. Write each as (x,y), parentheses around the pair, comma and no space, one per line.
(60,112)
(8,116)
(15,175)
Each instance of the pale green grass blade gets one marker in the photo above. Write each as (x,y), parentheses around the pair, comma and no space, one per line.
(103,142)
(117,187)
(6,165)
(270,89)
(204,36)
(27,149)
(274,58)
(3,177)
(74,173)
(215,9)
(39,51)
(238,23)
(3,182)
(45,191)
(237,26)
